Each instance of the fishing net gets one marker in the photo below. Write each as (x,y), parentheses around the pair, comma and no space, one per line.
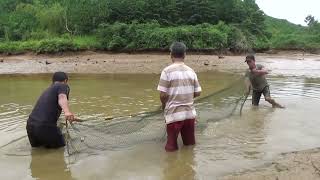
(220,105)
(94,134)
(119,132)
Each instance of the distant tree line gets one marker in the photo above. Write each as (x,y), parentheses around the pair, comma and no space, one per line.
(128,24)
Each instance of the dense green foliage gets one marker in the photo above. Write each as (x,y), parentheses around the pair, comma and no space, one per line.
(47,26)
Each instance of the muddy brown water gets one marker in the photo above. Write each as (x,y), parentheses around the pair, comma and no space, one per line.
(229,145)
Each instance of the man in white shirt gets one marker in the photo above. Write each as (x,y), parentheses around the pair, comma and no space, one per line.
(178,87)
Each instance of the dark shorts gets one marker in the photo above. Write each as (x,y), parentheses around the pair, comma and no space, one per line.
(256,95)
(186,128)
(47,136)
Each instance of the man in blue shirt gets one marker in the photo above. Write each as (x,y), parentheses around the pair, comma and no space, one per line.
(41,126)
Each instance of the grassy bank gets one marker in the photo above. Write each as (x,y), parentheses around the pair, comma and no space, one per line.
(50,45)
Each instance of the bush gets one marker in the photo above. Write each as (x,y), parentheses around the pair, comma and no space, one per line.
(151,36)
(17,47)
(55,45)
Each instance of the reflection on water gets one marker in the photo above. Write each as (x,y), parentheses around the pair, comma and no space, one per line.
(180,165)
(49,165)
(223,145)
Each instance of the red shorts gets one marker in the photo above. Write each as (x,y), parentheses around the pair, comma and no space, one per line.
(186,128)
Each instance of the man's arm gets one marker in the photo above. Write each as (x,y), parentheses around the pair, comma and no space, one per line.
(163,99)
(260,72)
(197,87)
(63,103)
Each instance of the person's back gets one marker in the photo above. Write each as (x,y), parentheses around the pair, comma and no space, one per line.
(178,86)
(41,126)
(180,82)
(47,110)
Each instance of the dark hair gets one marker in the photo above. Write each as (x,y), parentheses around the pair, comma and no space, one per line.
(178,49)
(59,76)
(250,57)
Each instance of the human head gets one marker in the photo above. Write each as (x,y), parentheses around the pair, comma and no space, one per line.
(60,77)
(178,50)
(251,61)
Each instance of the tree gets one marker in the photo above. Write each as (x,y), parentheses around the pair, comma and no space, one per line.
(84,16)
(51,18)
(310,20)
(22,22)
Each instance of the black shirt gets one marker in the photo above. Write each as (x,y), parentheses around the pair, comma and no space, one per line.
(47,109)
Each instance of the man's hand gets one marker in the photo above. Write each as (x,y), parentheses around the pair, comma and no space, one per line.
(69,116)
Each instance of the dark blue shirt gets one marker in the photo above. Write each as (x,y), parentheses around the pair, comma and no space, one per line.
(47,109)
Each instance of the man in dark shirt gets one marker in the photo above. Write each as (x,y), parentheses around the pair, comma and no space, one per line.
(42,127)
(255,79)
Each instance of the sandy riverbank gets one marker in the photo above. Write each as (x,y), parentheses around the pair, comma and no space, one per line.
(93,62)
(291,166)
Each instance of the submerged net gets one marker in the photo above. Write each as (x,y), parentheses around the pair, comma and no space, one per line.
(90,135)
(94,135)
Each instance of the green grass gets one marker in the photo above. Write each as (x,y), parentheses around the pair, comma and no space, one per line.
(86,42)
(50,45)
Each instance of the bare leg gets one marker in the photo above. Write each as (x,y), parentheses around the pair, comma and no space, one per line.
(273,102)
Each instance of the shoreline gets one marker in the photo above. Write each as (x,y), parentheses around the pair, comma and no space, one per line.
(123,63)
(295,165)
(162,51)
(105,63)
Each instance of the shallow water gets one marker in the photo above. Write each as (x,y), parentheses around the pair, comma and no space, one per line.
(223,146)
